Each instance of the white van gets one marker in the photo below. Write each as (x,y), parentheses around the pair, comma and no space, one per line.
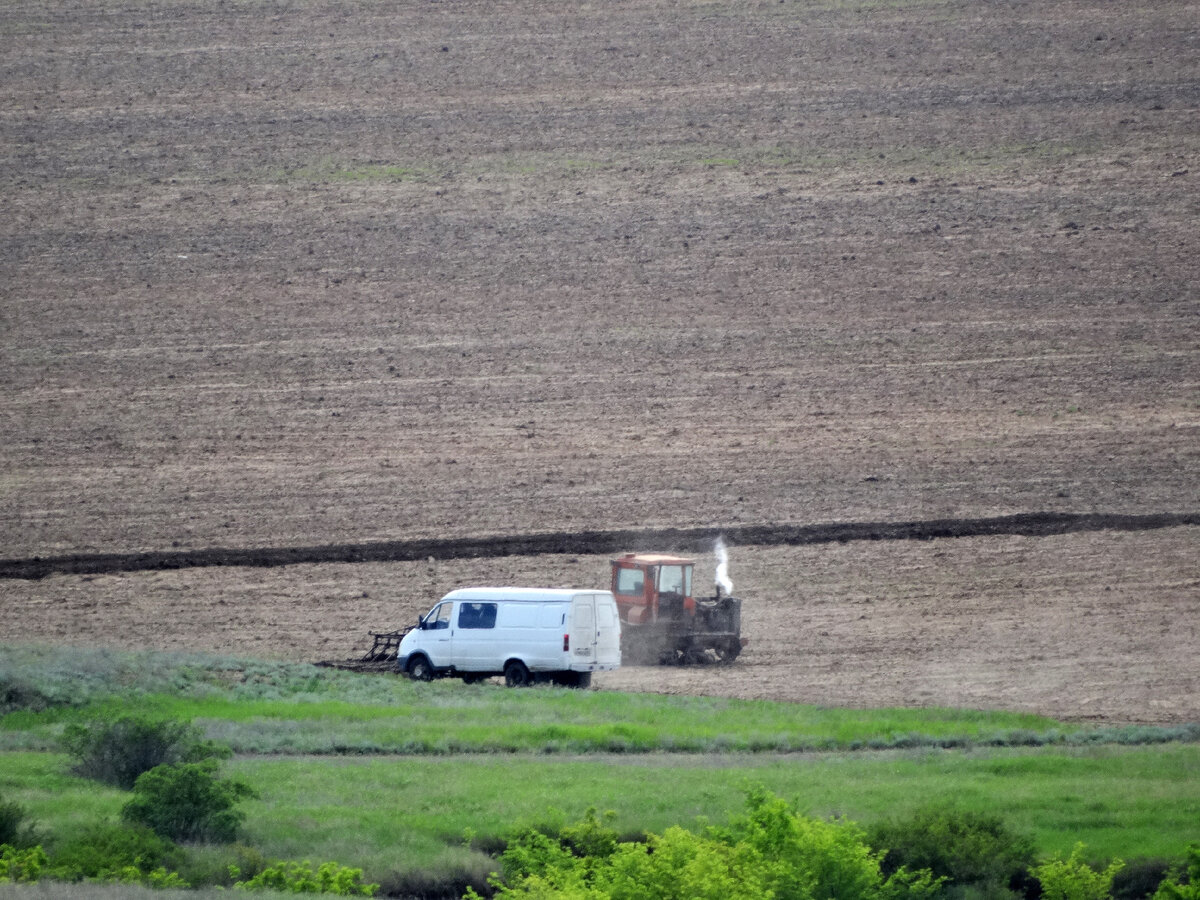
(524,634)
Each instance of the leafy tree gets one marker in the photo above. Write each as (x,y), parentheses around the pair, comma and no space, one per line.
(188,802)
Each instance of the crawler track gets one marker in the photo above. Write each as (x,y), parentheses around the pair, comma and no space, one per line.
(1037,524)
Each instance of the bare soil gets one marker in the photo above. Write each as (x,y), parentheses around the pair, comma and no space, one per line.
(278,276)
(1098,627)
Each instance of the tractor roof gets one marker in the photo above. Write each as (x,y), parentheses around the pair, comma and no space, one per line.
(654,559)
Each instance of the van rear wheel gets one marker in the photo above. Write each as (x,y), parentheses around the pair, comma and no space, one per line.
(516,675)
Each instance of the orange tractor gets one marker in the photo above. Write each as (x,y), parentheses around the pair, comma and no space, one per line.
(663,623)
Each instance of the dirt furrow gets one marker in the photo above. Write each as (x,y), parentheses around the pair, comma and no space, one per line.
(1037,524)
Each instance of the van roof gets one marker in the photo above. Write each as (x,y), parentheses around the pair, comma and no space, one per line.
(527,595)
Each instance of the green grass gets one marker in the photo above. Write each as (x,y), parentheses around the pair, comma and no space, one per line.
(395,776)
(1118,801)
(395,813)
(449,717)
(276,707)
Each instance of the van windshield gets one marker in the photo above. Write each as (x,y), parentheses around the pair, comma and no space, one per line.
(439,616)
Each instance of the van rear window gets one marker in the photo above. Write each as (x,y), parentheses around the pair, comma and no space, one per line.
(477,615)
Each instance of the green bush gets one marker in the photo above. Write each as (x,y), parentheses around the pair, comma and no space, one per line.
(977,853)
(106,853)
(1172,889)
(118,752)
(15,831)
(1139,879)
(17,693)
(21,866)
(188,802)
(299,878)
(771,851)
(1073,879)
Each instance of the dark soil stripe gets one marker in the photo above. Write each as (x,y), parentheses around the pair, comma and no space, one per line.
(681,540)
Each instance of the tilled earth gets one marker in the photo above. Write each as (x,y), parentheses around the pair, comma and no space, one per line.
(1098,626)
(289,275)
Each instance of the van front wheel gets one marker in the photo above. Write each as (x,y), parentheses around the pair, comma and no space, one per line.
(419,669)
(516,675)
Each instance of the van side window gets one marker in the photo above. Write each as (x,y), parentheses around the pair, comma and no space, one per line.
(477,615)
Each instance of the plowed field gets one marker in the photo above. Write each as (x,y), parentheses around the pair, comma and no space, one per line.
(286,275)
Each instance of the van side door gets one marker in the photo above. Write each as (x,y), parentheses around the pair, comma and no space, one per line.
(475,648)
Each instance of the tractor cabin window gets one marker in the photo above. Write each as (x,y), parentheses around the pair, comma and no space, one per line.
(630,581)
(675,580)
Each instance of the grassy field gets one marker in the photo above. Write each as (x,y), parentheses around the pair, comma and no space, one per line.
(402,778)
(259,707)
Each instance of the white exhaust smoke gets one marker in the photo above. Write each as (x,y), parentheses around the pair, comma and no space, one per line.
(723,567)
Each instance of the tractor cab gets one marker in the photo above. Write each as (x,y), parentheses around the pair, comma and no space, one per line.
(653,587)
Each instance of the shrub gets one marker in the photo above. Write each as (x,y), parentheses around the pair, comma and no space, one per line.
(1139,879)
(1172,889)
(118,752)
(187,802)
(823,860)
(21,866)
(771,851)
(966,848)
(17,693)
(299,878)
(1073,879)
(15,831)
(106,852)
